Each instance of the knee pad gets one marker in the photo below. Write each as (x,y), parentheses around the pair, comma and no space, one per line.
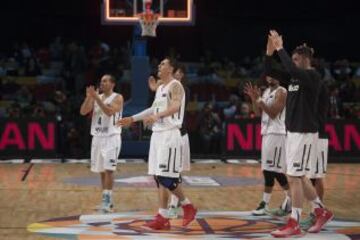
(269,178)
(169,183)
(281,178)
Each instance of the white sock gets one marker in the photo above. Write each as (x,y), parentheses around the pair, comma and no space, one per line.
(104,193)
(266,197)
(185,202)
(109,193)
(164,212)
(285,202)
(287,194)
(174,201)
(316,203)
(296,213)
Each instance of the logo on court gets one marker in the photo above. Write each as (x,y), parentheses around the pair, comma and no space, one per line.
(208,225)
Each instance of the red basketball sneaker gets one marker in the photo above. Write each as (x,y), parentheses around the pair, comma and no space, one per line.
(189,214)
(292,228)
(158,223)
(322,216)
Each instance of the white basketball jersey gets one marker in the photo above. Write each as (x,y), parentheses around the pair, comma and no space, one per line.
(102,124)
(276,125)
(161,103)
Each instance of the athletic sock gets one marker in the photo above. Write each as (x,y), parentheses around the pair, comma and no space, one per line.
(174,201)
(164,212)
(266,197)
(296,213)
(185,202)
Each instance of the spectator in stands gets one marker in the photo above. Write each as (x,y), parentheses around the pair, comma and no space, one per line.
(74,67)
(343,74)
(56,49)
(2,67)
(341,69)
(244,112)
(12,67)
(347,90)
(24,95)
(32,67)
(16,53)
(230,110)
(351,111)
(324,69)
(39,111)
(43,57)
(335,106)
(14,111)
(1,87)
(209,124)
(73,142)
(61,102)
(357,112)
(26,52)
(10,87)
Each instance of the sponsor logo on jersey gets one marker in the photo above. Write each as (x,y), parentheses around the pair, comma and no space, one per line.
(102,129)
(294,88)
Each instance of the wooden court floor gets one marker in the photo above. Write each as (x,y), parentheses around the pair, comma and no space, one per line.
(46,194)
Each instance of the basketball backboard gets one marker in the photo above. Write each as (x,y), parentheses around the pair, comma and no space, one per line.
(124,12)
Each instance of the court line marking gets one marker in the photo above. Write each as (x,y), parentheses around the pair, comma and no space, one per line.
(27,171)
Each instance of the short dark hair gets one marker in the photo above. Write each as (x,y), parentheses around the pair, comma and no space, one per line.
(111,78)
(304,50)
(172,62)
(180,67)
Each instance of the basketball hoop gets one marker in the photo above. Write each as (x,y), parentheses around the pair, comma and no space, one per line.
(148,20)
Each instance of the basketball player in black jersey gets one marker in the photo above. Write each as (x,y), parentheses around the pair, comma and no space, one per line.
(302,132)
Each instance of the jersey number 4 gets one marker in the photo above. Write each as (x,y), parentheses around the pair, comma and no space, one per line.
(114,120)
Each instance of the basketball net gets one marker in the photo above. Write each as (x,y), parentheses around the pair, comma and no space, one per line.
(148,20)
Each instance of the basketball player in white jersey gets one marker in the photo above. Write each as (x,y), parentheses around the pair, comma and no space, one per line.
(316,169)
(165,155)
(106,142)
(272,108)
(174,205)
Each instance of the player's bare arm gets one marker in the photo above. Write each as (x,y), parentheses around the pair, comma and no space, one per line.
(88,103)
(177,93)
(117,104)
(254,93)
(270,49)
(286,60)
(278,105)
(111,109)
